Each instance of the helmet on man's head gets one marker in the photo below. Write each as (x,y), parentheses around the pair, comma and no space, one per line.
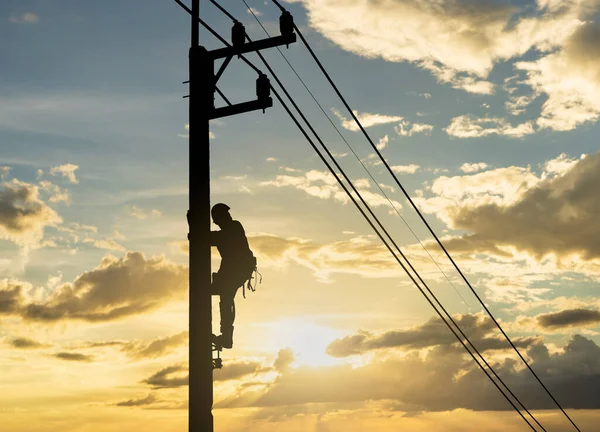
(219,210)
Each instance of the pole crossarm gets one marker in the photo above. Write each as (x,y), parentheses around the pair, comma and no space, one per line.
(241,108)
(262,44)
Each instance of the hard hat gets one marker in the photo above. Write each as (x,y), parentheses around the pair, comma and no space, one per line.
(219,209)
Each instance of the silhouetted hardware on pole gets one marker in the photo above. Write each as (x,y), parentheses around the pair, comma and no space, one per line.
(202,87)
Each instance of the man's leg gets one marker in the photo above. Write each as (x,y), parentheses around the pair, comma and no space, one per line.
(227,309)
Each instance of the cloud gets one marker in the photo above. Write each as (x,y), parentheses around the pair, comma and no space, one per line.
(25,343)
(165,378)
(4,172)
(322,184)
(441,379)
(366,119)
(382,143)
(405,128)
(236,370)
(157,347)
(254,11)
(357,256)
(569,318)
(117,288)
(65,170)
(480,329)
(76,357)
(405,169)
(25,18)
(285,358)
(142,214)
(516,105)
(177,375)
(570,77)
(108,244)
(57,194)
(23,215)
(473,167)
(458,41)
(148,400)
(466,126)
(555,213)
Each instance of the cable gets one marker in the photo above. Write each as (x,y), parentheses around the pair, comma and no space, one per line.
(425,221)
(358,158)
(373,215)
(387,245)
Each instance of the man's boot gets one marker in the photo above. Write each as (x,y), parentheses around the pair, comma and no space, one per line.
(226,338)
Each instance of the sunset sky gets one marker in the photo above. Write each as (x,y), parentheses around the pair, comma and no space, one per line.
(486,110)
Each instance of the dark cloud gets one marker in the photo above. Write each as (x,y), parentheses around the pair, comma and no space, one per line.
(558,216)
(24,343)
(156,347)
(22,213)
(115,289)
(10,297)
(73,357)
(434,332)
(143,349)
(177,375)
(285,358)
(237,370)
(569,318)
(169,377)
(444,379)
(148,400)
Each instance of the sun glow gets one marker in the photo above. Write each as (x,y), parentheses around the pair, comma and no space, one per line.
(308,341)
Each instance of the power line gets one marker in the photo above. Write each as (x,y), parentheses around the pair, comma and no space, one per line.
(425,221)
(364,203)
(391,239)
(358,158)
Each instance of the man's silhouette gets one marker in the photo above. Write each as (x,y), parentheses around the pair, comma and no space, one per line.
(237,265)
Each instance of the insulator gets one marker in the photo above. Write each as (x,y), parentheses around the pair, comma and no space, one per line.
(263,87)
(286,23)
(238,34)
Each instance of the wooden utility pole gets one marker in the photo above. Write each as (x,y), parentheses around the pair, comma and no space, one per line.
(200,313)
(203,84)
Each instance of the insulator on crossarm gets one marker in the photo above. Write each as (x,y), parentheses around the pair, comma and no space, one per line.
(286,24)
(263,87)
(238,34)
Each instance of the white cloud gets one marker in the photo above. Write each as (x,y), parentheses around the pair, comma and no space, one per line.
(516,104)
(57,194)
(323,185)
(66,170)
(4,172)
(571,79)
(383,142)
(459,41)
(405,128)
(25,18)
(141,214)
(366,119)
(466,126)
(254,11)
(473,167)
(405,169)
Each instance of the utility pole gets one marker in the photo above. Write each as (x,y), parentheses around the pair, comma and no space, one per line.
(200,313)
(203,84)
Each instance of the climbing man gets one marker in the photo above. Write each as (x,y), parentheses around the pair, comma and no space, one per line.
(237,266)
